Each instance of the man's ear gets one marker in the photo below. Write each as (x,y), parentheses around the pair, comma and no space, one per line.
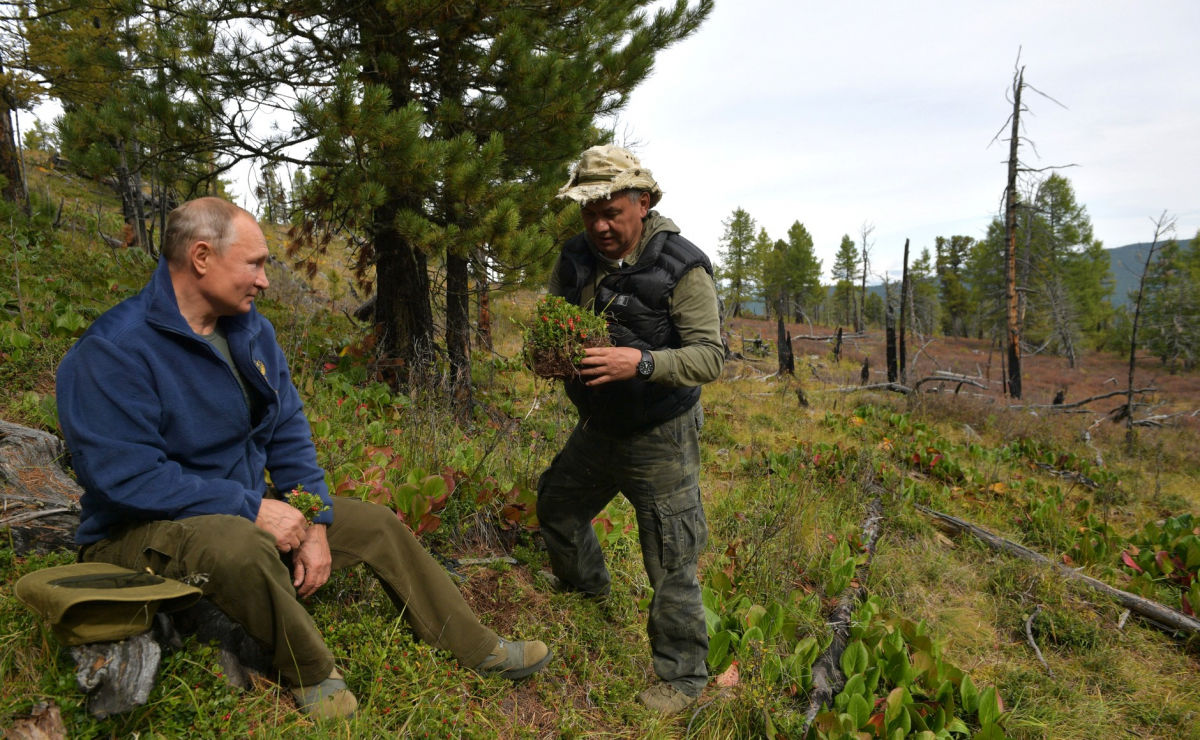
(199,255)
(644,203)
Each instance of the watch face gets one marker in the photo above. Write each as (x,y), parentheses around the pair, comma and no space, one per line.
(645,368)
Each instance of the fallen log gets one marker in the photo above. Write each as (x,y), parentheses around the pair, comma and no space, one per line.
(39,501)
(1163,617)
(1084,402)
(944,377)
(826,671)
(828,337)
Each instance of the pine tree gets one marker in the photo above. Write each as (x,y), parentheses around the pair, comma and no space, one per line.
(128,115)
(802,271)
(845,274)
(951,256)
(1171,305)
(442,131)
(736,254)
(923,293)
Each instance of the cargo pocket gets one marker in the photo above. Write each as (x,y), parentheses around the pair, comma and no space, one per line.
(161,547)
(684,531)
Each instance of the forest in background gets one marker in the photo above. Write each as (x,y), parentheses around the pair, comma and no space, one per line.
(424,141)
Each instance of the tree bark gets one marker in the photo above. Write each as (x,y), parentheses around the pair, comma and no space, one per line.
(1010,241)
(890,341)
(458,333)
(1159,227)
(783,346)
(901,352)
(10,160)
(402,308)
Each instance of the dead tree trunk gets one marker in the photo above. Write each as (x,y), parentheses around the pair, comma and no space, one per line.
(890,340)
(1010,242)
(783,347)
(1161,227)
(901,351)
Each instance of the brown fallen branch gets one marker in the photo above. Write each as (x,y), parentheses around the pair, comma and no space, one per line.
(1160,616)
(29,516)
(828,337)
(904,389)
(1033,643)
(896,387)
(827,674)
(1078,404)
(1069,475)
(958,380)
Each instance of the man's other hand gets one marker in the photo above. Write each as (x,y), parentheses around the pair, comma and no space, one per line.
(605,364)
(283,522)
(311,564)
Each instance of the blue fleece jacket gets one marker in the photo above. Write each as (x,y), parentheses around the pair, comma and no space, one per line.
(158,427)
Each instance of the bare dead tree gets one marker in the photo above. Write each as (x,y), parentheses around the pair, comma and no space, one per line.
(864,231)
(901,359)
(1163,226)
(1012,201)
(1010,241)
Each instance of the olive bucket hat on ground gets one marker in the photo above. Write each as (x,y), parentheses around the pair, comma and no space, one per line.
(99,602)
(605,170)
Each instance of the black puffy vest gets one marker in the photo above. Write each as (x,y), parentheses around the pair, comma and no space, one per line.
(636,299)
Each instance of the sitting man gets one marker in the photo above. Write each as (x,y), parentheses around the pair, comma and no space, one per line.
(175,404)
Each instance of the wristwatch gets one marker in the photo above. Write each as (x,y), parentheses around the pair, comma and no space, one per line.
(645,367)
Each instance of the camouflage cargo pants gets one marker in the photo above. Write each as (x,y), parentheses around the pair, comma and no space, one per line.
(658,472)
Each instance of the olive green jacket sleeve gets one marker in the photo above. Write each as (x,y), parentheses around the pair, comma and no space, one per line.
(695,314)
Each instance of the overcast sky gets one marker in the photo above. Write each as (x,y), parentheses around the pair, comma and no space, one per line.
(837,114)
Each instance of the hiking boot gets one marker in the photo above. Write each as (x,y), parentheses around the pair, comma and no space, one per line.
(329,699)
(559,585)
(665,699)
(514,660)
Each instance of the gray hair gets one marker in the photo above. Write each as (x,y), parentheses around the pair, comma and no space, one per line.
(208,219)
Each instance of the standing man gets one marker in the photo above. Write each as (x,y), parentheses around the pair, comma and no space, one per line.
(175,404)
(639,408)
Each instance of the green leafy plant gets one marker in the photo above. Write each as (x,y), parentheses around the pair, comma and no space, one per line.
(309,504)
(557,336)
(1167,553)
(899,685)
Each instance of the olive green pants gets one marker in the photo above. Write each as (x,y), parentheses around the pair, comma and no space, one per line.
(658,471)
(238,567)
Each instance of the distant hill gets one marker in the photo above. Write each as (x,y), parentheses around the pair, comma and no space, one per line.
(1125,265)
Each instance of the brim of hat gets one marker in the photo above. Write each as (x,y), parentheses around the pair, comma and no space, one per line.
(591,191)
(38,591)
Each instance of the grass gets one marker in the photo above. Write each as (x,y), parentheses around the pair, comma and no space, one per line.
(784,487)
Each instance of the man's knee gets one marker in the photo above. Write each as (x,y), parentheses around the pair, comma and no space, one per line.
(231,544)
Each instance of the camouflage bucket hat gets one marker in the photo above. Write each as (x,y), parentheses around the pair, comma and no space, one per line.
(99,602)
(604,170)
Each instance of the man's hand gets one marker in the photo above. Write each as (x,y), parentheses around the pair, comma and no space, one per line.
(605,364)
(283,522)
(311,563)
